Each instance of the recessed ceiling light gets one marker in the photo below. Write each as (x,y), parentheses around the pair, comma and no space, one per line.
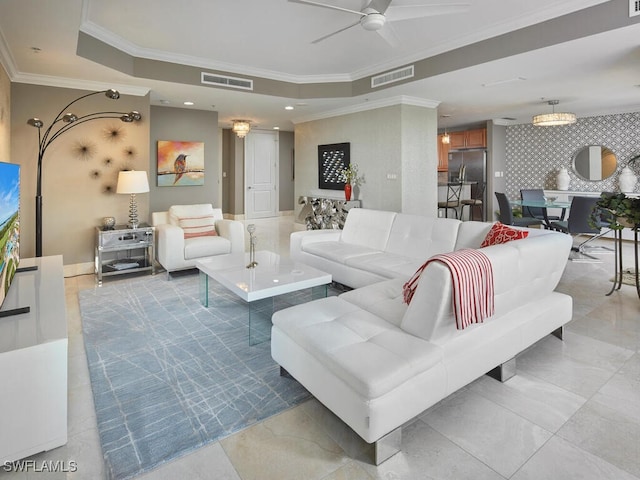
(188,103)
(276,128)
(288,107)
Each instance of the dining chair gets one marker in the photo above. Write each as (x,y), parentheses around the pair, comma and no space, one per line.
(476,200)
(506,214)
(537,195)
(454,190)
(582,221)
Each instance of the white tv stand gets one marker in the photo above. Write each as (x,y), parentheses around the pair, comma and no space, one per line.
(33,362)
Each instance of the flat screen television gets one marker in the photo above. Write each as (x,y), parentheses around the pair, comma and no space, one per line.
(9,225)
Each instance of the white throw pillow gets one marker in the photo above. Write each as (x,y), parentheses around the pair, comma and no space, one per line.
(182,211)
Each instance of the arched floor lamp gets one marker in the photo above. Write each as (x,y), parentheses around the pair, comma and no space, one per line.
(69,120)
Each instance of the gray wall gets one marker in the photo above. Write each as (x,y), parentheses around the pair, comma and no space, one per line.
(398,140)
(77,190)
(186,125)
(535,154)
(286,171)
(496,162)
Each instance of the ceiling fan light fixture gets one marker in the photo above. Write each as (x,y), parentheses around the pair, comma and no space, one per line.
(554,118)
(373,20)
(241,127)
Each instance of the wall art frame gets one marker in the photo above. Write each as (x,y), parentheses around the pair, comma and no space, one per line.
(332,159)
(180,163)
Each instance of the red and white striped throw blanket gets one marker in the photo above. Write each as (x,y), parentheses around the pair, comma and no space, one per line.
(472,279)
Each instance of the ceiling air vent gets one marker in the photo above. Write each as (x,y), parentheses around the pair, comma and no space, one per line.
(634,8)
(391,77)
(223,81)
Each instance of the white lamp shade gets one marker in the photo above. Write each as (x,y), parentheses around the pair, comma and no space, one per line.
(132,181)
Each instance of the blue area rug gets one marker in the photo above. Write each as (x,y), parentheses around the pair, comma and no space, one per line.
(169,375)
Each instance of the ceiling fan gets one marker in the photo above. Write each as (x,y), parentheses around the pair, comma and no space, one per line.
(376,13)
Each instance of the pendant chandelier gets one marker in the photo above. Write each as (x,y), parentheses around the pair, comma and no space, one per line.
(241,127)
(445,139)
(554,118)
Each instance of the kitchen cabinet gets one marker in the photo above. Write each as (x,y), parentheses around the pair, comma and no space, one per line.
(476,138)
(443,155)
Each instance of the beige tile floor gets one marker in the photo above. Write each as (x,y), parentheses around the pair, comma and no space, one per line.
(572,411)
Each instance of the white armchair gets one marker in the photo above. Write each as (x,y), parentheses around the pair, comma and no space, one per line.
(187,233)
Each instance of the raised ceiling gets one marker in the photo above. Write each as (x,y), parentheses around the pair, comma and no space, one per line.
(498,60)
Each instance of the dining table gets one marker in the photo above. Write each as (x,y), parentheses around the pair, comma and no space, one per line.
(547,203)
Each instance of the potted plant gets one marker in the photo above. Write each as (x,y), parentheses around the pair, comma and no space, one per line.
(351,178)
(624,210)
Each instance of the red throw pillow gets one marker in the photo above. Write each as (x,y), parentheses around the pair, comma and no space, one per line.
(501,233)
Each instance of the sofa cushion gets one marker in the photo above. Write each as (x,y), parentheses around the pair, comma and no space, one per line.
(383,299)
(387,265)
(367,228)
(200,226)
(199,247)
(420,237)
(471,234)
(337,251)
(500,233)
(369,354)
(196,210)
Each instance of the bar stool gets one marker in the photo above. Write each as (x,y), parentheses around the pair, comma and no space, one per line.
(475,201)
(453,199)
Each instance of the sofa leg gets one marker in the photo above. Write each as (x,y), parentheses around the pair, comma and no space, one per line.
(559,332)
(387,446)
(284,373)
(504,371)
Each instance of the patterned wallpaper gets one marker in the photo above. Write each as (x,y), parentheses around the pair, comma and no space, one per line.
(535,154)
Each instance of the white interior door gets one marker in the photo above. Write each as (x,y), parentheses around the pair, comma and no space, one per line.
(261,174)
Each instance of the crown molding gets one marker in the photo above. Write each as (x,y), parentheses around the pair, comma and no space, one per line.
(369,105)
(129,48)
(6,58)
(61,82)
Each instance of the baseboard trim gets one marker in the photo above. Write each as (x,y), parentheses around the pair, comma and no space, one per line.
(76,269)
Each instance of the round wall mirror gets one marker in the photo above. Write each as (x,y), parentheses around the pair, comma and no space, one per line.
(595,163)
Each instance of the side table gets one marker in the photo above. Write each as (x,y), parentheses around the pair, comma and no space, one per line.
(122,250)
(617,278)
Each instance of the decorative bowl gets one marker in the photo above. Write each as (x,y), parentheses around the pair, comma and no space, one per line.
(108,223)
(550,199)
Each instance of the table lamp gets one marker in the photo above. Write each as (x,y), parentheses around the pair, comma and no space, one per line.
(132,182)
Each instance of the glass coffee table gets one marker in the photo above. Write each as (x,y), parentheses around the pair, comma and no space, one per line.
(275,283)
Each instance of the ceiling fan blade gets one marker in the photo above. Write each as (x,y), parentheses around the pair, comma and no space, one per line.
(389,35)
(317,40)
(407,12)
(325,5)
(379,5)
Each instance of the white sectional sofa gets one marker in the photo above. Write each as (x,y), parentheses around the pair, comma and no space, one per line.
(377,362)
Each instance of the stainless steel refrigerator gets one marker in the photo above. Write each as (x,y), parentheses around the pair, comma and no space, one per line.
(475,171)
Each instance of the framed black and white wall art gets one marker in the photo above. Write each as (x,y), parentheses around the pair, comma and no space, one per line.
(332,159)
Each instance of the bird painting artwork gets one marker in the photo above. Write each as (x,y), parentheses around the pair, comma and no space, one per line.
(180,166)
(180,163)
